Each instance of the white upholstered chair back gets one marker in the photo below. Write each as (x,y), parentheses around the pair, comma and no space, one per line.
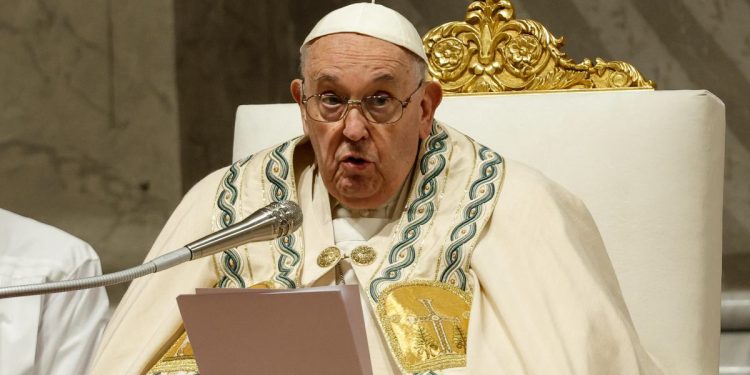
(649,166)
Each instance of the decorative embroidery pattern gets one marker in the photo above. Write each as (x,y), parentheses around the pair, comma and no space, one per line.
(277,172)
(231,262)
(425,324)
(482,190)
(178,358)
(420,211)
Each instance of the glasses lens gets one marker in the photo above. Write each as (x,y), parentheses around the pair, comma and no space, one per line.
(382,109)
(325,108)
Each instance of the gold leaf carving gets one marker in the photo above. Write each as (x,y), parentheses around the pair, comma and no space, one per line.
(491,51)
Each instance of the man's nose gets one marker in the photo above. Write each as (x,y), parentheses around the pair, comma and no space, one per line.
(355,124)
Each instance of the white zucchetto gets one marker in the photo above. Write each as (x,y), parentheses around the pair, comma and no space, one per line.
(372,20)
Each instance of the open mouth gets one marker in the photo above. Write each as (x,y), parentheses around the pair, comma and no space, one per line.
(355,160)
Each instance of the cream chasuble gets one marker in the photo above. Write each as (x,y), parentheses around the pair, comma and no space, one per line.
(487,268)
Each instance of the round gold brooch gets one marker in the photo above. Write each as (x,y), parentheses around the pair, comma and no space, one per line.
(330,255)
(363,255)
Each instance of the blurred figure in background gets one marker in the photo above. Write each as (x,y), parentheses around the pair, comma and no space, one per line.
(54,333)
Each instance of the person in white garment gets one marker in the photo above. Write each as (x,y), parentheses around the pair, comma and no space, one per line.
(53,334)
(467,263)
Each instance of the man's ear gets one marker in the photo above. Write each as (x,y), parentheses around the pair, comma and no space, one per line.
(433,95)
(296,89)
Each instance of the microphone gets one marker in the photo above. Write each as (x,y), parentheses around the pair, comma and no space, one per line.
(270,222)
(275,220)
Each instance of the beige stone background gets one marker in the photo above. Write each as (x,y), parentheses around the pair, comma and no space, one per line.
(110,110)
(88,120)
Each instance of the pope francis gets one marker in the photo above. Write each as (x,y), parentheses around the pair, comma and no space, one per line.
(468,263)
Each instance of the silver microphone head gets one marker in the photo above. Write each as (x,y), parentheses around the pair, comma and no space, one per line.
(289,216)
(276,220)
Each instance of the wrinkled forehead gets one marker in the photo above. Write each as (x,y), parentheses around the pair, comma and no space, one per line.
(336,56)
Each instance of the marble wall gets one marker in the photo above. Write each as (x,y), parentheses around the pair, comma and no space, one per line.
(88,122)
(94,140)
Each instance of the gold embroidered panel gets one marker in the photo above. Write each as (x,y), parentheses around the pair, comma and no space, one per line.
(179,358)
(491,51)
(425,324)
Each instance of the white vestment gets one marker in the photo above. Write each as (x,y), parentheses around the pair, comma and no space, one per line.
(488,268)
(53,334)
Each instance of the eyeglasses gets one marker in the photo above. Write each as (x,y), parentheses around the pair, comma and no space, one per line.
(377,109)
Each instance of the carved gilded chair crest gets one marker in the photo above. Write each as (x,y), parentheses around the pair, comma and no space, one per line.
(491,51)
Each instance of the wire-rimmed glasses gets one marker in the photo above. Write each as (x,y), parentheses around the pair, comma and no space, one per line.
(377,109)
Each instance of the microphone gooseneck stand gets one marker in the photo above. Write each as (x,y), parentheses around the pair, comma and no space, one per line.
(272,221)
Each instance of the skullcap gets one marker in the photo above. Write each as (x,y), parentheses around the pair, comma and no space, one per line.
(372,20)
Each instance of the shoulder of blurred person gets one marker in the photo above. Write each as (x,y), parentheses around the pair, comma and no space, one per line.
(54,333)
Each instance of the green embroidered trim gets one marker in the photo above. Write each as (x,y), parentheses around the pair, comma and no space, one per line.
(278,172)
(482,191)
(231,263)
(420,211)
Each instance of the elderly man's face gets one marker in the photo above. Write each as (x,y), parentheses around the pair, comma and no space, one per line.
(364,164)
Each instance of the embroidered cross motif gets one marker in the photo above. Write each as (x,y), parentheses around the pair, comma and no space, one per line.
(437,324)
(425,323)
